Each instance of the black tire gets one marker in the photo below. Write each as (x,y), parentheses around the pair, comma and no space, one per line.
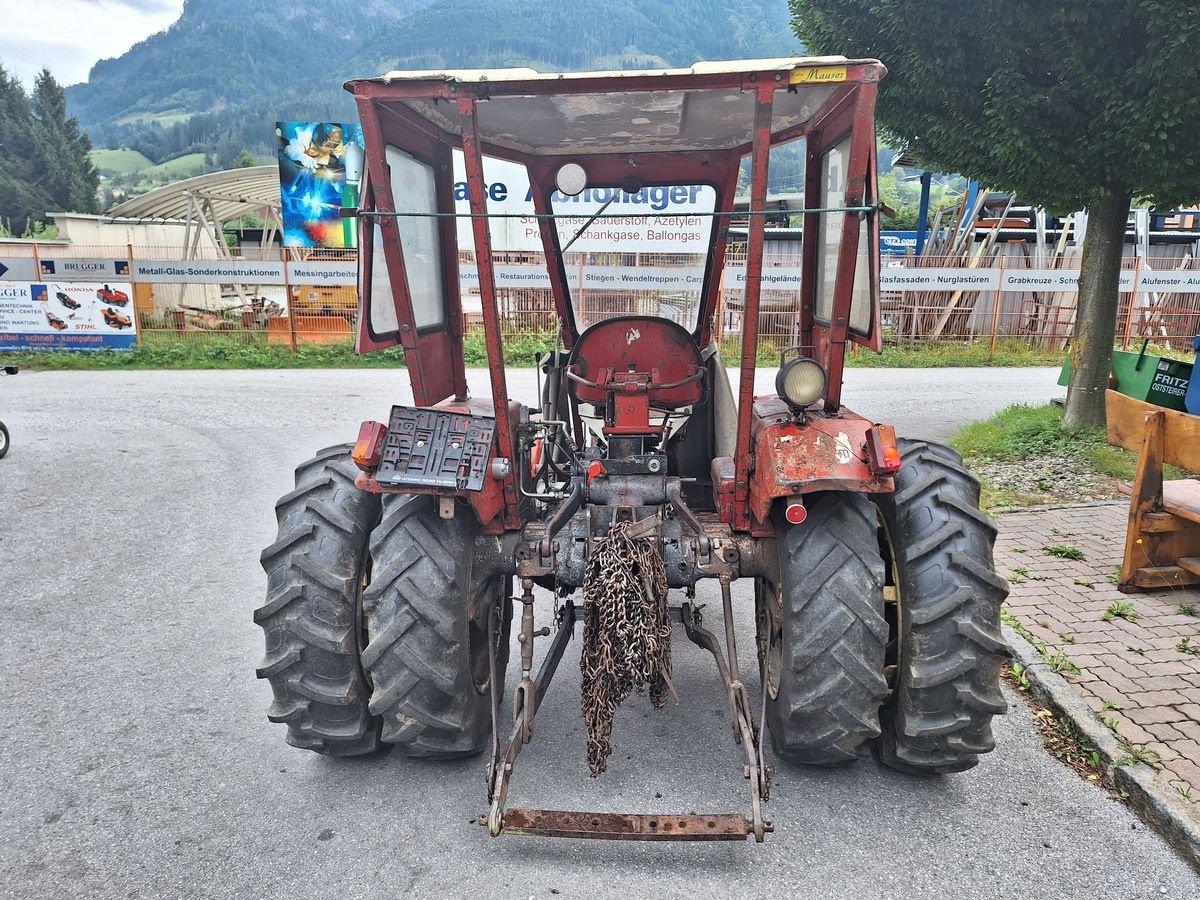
(825,658)
(312,618)
(946,688)
(426,620)
(3,440)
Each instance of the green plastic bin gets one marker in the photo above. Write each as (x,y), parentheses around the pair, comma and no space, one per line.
(1143,376)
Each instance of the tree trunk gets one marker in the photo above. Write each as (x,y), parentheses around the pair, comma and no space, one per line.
(1096,315)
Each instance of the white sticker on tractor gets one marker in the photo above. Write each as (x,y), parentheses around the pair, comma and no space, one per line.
(843,451)
(633,335)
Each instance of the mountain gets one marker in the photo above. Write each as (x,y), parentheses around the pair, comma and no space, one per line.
(217,80)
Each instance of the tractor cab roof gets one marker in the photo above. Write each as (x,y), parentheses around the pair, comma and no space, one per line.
(708,106)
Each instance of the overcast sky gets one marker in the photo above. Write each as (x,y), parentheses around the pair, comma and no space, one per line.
(69,36)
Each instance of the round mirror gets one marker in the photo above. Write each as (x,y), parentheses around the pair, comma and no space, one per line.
(571,179)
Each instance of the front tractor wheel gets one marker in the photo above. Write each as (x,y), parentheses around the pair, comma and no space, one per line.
(825,633)
(947,648)
(426,613)
(315,574)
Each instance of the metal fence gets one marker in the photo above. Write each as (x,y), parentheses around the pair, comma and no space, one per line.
(295,312)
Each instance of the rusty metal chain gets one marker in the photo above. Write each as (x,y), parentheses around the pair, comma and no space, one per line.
(626,633)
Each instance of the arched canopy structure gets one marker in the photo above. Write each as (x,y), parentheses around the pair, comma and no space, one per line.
(206,203)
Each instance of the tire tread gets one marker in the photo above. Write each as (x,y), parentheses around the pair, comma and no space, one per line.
(948,688)
(309,617)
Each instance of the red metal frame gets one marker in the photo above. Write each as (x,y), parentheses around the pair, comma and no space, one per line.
(434,356)
(473,158)
(759,164)
(854,116)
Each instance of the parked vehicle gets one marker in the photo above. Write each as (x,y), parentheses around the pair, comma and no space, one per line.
(389,588)
(4,438)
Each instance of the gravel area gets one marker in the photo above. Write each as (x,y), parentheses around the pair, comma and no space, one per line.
(1053,478)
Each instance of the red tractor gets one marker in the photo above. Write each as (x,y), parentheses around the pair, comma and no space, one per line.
(390,586)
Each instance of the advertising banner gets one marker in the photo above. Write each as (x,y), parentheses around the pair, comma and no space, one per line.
(320,167)
(74,316)
(674,219)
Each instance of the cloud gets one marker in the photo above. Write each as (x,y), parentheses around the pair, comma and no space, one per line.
(142,6)
(69,38)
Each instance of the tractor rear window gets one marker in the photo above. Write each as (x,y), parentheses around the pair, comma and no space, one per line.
(645,254)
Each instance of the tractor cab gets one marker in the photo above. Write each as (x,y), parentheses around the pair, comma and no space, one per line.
(606,202)
(609,159)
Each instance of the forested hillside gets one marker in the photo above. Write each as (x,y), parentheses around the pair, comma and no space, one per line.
(216,81)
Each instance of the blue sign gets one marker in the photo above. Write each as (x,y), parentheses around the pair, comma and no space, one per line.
(897,243)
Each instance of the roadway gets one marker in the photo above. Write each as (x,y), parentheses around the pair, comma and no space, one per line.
(137,760)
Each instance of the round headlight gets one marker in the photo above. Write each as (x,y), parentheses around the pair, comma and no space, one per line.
(800,382)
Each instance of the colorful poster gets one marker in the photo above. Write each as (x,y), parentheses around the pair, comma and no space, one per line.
(66,316)
(320,167)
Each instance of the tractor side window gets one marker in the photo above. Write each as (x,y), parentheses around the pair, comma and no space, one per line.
(378,287)
(414,191)
(835,165)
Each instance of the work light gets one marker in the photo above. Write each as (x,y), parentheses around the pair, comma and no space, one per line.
(800,382)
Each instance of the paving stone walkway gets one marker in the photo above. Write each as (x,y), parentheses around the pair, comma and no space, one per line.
(1142,673)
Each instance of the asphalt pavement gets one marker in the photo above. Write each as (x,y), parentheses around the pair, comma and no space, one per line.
(137,761)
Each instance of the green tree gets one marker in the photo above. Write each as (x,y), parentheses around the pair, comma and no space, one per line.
(61,161)
(1068,104)
(22,196)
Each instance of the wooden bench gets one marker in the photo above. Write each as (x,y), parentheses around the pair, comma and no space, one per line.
(1162,539)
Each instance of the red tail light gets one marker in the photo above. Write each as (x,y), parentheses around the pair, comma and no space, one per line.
(368,450)
(795,512)
(883,452)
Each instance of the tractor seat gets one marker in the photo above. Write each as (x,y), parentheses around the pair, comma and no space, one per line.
(647,345)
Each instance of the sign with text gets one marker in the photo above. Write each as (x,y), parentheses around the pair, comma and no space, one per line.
(205,271)
(244,271)
(74,316)
(957,279)
(897,243)
(1181,281)
(1053,280)
(323,273)
(773,278)
(76,269)
(657,219)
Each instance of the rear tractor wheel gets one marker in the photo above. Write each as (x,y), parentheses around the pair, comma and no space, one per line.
(946,648)
(316,570)
(426,613)
(822,632)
